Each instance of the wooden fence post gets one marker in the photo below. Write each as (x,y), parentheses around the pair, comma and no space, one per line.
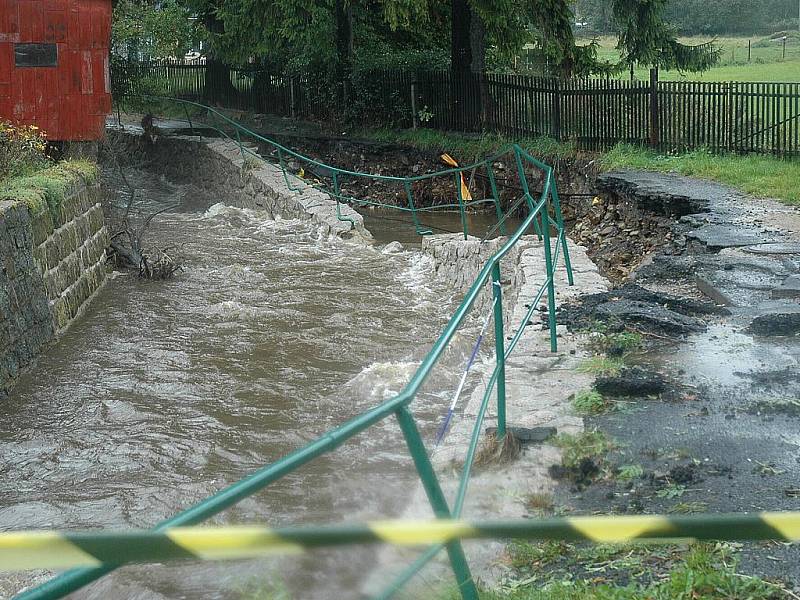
(291,97)
(655,127)
(414,104)
(730,117)
(555,116)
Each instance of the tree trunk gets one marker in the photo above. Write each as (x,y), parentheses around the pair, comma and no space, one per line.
(477,39)
(218,88)
(460,63)
(343,70)
(460,43)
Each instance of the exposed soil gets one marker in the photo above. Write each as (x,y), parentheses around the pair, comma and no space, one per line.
(631,381)
(397,161)
(574,176)
(619,236)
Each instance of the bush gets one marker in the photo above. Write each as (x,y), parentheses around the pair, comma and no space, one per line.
(22,150)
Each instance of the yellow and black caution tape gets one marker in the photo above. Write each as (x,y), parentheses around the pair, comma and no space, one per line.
(61,550)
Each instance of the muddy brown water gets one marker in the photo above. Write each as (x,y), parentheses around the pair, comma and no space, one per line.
(165,392)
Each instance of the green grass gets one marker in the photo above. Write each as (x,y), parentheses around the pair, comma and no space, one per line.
(561,571)
(45,190)
(468,149)
(588,444)
(763,176)
(615,344)
(589,402)
(602,365)
(630,472)
(766,63)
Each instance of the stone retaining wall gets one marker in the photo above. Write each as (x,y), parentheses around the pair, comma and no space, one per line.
(218,167)
(51,264)
(458,262)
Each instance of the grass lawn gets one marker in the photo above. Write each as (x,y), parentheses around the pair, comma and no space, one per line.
(766,59)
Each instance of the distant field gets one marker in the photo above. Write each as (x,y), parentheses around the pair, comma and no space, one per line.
(766,60)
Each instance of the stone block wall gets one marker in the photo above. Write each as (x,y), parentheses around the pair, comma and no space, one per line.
(218,167)
(50,267)
(459,261)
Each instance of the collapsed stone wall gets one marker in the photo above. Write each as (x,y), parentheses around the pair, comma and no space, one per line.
(51,264)
(219,168)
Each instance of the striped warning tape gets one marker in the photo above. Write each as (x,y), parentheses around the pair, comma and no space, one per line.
(54,550)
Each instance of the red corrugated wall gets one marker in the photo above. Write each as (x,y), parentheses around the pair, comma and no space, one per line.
(71,100)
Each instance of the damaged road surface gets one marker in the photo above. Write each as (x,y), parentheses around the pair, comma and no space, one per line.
(711,417)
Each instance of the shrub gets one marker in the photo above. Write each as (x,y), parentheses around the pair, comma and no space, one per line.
(22,150)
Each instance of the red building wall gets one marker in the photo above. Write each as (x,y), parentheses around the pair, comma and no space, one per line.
(69,101)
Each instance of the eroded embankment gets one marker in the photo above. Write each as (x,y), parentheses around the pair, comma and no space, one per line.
(696,355)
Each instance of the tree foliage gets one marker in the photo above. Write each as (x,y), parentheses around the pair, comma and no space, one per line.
(646,38)
(703,17)
(140,28)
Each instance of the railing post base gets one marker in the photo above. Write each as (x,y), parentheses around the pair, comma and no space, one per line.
(438,502)
(500,351)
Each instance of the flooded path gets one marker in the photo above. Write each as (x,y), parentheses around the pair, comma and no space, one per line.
(168,391)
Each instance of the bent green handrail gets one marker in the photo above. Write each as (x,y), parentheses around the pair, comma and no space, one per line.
(329,170)
(539,219)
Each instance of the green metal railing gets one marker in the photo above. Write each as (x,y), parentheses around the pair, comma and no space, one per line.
(544,217)
(329,178)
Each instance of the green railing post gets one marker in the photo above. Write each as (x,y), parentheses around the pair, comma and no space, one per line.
(523,182)
(496,197)
(239,141)
(548,259)
(336,194)
(188,118)
(461,208)
(283,170)
(560,221)
(410,197)
(500,351)
(436,497)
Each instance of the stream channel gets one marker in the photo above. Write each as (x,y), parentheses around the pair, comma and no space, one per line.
(165,392)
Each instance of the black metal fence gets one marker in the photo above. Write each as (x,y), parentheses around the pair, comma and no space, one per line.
(594,113)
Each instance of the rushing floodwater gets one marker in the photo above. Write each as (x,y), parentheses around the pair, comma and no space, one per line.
(168,391)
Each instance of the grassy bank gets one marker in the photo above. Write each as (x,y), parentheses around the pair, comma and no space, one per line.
(764,61)
(759,175)
(45,189)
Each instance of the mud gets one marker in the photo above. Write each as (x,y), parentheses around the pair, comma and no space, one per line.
(631,381)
